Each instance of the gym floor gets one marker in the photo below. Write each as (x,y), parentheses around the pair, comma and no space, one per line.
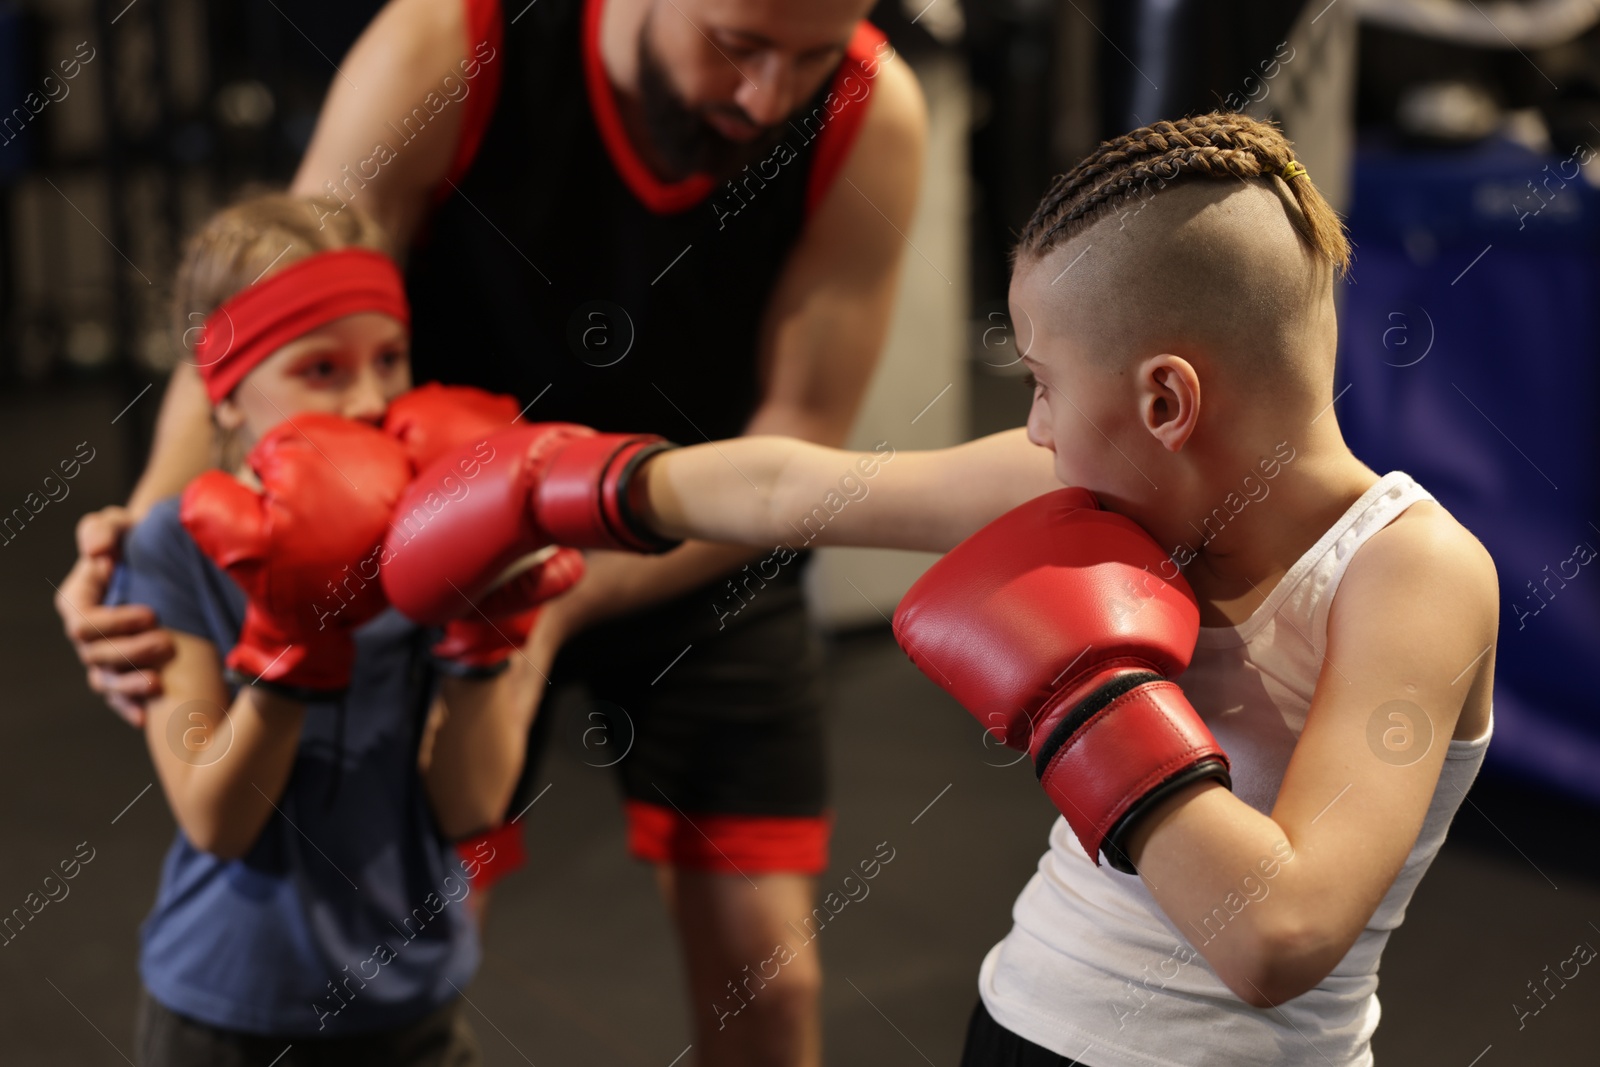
(580,967)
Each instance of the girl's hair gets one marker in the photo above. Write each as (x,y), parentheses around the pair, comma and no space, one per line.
(239,244)
(1217,145)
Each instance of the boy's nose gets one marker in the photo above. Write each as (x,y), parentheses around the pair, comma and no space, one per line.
(1039,429)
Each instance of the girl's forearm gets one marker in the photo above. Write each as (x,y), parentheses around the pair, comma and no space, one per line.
(223,803)
(478,749)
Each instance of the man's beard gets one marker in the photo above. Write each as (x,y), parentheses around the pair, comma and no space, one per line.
(684,141)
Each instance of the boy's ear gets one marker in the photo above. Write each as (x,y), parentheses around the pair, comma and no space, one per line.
(1169,399)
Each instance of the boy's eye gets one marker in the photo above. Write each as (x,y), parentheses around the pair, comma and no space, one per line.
(1031,382)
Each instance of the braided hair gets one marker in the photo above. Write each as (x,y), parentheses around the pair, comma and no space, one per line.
(1216,145)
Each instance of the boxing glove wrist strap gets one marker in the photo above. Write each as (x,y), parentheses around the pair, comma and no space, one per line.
(1115,844)
(304,694)
(1131,743)
(472,671)
(590,497)
(1073,721)
(625,502)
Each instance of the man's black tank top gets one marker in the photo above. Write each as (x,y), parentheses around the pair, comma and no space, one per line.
(546,274)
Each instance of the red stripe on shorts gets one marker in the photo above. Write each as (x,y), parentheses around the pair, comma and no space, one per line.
(732,844)
(495,853)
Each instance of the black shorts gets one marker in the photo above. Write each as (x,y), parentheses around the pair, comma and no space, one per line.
(163,1038)
(991,1045)
(710,709)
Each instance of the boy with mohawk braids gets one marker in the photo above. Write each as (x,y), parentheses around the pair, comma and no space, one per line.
(1252,674)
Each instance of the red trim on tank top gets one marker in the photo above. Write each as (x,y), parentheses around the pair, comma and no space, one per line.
(833,142)
(484,25)
(839,135)
(663,198)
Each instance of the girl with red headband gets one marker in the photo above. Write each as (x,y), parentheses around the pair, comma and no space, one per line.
(317,758)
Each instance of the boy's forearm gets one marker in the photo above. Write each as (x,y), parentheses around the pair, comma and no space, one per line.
(1236,886)
(722,491)
(757,491)
(766,491)
(181,448)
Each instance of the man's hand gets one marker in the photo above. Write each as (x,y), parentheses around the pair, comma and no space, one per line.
(122,648)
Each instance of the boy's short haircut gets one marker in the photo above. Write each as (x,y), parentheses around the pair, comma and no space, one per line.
(1219,145)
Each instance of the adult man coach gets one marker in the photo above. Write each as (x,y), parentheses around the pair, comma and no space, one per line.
(676,216)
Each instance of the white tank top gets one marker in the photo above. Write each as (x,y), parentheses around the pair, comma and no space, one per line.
(1094,970)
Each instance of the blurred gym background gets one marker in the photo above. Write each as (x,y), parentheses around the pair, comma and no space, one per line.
(1459,137)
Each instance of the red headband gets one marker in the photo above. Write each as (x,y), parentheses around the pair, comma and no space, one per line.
(260,319)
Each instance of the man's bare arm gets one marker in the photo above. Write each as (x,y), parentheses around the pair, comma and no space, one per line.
(183,440)
(407,52)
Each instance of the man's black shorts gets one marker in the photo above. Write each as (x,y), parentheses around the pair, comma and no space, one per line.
(710,708)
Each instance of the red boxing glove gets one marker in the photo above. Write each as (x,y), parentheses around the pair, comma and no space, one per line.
(482,641)
(1054,626)
(474,511)
(434,421)
(587,495)
(300,547)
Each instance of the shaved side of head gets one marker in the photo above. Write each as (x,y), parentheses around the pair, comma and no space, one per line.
(1218,272)
(1201,237)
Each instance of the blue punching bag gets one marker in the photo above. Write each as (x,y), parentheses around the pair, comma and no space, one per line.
(1470,358)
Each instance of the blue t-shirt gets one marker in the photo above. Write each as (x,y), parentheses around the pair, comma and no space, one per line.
(347,915)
